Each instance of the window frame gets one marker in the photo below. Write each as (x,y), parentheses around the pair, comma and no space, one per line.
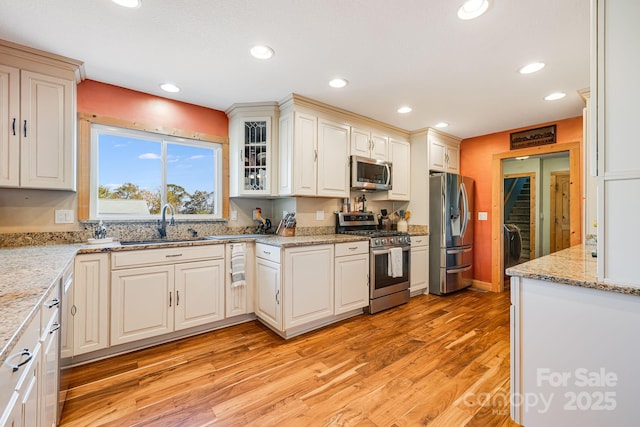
(85,168)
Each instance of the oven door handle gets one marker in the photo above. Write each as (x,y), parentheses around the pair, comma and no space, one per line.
(386,250)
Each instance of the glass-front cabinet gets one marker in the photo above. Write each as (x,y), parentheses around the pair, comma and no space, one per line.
(251,150)
(255,152)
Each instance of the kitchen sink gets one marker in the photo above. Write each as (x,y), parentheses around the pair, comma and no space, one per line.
(235,236)
(161,241)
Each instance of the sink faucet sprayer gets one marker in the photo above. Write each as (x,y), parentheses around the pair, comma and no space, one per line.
(162,229)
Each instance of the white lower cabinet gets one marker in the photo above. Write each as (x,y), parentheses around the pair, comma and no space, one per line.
(419,275)
(351,276)
(90,308)
(147,301)
(238,295)
(308,284)
(301,288)
(268,305)
(29,374)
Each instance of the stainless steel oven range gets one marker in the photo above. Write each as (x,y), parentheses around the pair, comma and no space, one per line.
(388,279)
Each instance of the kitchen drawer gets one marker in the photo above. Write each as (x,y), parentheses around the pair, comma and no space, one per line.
(422,240)
(50,307)
(352,248)
(271,253)
(145,257)
(29,341)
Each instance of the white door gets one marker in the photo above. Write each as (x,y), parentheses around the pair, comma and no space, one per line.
(305,154)
(199,293)
(90,303)
(268,297)
(9,126)
(360,142)
(308,294)
(379,146)
(46,129)
(401,170)
(437,152)
(352,282)
(452,157)
(419,275)
(142,301)
(333,159)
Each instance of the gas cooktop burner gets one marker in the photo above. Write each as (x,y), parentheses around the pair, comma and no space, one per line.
(364,224)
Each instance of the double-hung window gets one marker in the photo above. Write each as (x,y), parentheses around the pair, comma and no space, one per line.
(135,173)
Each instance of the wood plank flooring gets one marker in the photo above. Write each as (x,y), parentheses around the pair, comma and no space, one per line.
(437,361)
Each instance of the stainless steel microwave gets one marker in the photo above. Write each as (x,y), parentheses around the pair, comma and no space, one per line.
(370,174)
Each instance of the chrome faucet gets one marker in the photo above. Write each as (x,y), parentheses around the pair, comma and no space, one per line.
(162,229)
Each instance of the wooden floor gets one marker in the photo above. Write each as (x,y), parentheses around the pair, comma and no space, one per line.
(435,361)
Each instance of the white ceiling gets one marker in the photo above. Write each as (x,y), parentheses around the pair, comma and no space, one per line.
(393,53)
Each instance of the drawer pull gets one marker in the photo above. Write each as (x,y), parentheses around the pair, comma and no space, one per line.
(353,248)
(173,255)
(266,252)
(53,303)
(15,367)
(56,326)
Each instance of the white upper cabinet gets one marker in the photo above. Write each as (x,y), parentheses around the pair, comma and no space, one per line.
(251,149)
(314,155)
(444,152)
(400,158)
(369,143)
(37,118)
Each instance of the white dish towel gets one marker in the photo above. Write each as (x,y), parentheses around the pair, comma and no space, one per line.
(394,264)
(237,265)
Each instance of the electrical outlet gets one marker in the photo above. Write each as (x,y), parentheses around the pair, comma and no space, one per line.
(482,216)
(234,215)
(319,215)
(255,214)
(63,216)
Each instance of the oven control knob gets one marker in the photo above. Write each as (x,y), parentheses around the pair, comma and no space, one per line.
(376,242)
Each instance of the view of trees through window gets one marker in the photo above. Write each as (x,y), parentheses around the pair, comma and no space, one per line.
(137,173)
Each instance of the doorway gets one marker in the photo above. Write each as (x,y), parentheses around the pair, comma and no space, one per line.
(520,210)
(560,212)
(497,197)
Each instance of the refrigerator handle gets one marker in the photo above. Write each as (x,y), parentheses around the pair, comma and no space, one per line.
(465,209)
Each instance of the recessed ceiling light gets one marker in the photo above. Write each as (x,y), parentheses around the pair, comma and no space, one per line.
(472,9)
(338,83)
(554,96)
(261,52)
(169,87)
(531,68)
(441,125)
(128,3)
(404,110)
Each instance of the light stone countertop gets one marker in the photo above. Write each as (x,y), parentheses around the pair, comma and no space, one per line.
(573,266)
(28,273)
(26,276)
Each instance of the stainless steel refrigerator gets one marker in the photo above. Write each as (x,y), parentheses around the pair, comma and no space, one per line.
(450,232)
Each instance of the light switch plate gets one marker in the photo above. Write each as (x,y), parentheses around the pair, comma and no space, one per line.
(234,215)
(482,216)
(64,216)
(319,215)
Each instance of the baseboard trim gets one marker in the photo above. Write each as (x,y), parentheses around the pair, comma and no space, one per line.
(484,286)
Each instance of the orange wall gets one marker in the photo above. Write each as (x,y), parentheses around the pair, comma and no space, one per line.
(116,102)
(475,161)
